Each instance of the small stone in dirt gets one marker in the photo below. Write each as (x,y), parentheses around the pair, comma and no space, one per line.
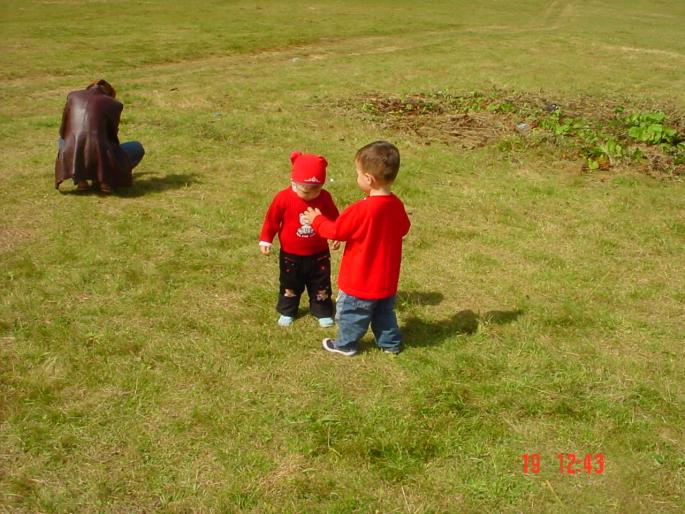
(522,128)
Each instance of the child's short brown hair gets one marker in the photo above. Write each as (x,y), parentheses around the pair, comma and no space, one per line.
(380,159)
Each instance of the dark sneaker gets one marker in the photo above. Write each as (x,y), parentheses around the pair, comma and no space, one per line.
(390,352)
(329,346)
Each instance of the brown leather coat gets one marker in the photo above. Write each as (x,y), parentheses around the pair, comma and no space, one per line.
(91,151)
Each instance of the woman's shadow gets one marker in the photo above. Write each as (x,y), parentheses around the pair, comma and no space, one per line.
(155,184)
(146,185)
(419,332)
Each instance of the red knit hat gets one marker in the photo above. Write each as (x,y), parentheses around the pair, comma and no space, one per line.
(308,168)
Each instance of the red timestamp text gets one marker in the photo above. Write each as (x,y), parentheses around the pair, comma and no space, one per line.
(569,463)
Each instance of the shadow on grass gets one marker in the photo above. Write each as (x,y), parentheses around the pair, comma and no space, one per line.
(406,298)
(501,317)
(419,333)
(144,186)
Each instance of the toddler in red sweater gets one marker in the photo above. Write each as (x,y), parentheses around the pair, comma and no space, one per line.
(305,260)
(373,229)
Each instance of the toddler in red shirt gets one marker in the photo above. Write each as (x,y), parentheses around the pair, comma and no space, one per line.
(373,229)
(305,260)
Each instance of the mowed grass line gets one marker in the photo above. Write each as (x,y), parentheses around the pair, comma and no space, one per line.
(141,367)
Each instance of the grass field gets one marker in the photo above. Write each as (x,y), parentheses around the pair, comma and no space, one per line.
(141,368)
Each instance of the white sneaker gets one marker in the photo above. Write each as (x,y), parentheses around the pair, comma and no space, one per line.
(326,322)
(285,321)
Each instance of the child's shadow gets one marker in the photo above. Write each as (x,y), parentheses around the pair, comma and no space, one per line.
(418,332)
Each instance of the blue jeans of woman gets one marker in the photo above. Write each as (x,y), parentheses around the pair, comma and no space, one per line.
(354,316)
(133,149)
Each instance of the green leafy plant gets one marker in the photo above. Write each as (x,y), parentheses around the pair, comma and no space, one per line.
(605,155)
(650,128)
(503,107)
(561,125)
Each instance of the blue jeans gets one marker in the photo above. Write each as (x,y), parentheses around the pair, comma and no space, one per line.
(133,149)
(135,152)
(354,315)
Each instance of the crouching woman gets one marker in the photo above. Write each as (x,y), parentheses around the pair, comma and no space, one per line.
(89,148)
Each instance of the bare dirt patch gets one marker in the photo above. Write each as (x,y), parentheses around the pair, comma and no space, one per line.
(601,133)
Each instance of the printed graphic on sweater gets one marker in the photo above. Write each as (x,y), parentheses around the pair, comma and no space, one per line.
(305,229)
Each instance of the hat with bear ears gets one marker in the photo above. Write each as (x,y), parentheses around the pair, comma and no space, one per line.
(308,168)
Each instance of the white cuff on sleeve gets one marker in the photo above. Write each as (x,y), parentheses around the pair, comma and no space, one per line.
(265,243)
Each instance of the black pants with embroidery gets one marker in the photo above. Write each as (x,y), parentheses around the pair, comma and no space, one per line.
(312,272)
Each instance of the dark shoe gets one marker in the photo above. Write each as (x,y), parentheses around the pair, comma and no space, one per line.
(329,345)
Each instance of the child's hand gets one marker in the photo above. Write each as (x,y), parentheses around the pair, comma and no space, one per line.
(310,214)
(335,245)
(265,249)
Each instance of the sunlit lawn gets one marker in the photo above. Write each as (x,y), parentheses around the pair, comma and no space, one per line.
(141,367)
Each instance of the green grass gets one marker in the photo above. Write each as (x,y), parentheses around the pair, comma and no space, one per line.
(141,368)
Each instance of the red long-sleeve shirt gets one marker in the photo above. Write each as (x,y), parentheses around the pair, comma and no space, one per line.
(373,229)
(285,218)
